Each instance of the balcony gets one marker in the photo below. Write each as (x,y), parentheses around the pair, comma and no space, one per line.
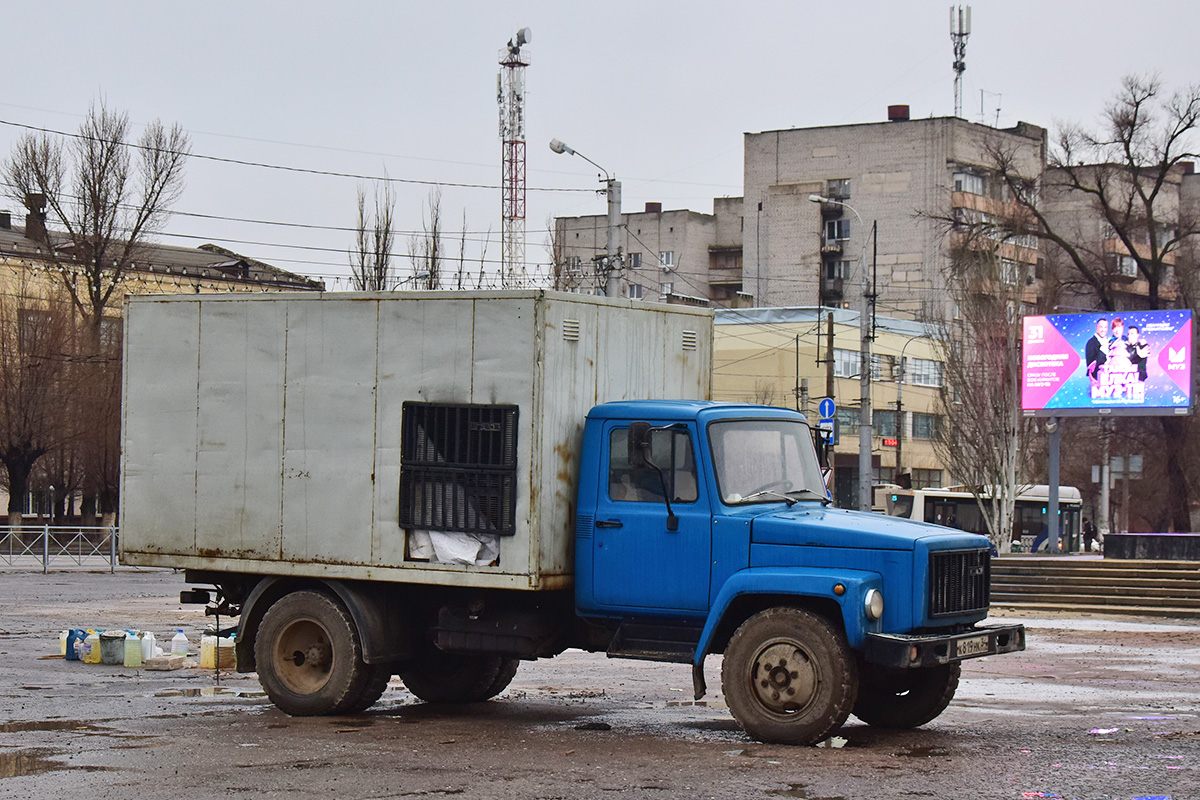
(832,246)
(833,290)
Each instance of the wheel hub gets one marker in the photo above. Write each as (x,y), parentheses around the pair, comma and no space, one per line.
(783,678)
(304,656)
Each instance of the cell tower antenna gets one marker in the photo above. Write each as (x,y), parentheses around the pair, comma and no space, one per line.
(510,95)
(960,29)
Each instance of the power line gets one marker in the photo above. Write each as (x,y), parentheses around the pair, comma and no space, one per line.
(303,170)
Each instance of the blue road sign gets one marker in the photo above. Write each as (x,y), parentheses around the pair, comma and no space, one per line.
(826,408)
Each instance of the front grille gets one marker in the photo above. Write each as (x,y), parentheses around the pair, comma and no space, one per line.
(959,581)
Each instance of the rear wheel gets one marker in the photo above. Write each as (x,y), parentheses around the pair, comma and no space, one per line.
(438,677)
(905,698)
(789,677)
(309,657)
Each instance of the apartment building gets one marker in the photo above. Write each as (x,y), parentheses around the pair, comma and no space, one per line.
(892,190)
(668,256)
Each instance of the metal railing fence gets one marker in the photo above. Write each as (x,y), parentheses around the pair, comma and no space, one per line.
(46,544)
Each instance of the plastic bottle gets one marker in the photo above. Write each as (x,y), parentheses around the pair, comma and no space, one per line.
(179,643)
(91,647)
(62,643)
(133,650)
(147,646)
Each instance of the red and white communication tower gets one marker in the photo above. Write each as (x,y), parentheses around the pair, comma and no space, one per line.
(510,94)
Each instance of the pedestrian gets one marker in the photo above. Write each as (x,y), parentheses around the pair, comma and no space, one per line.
(1089,535)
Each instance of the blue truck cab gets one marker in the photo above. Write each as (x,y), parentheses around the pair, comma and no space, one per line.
(706,528)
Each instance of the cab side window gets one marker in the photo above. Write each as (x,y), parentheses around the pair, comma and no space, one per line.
(671,450)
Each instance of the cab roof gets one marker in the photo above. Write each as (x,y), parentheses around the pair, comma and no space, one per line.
(684,409)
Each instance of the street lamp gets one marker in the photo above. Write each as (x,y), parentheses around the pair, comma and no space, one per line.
(864,366)
(612,187)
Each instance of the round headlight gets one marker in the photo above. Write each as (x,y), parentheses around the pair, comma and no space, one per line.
(873,604)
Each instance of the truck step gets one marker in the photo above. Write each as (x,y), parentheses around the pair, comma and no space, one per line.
(655,642)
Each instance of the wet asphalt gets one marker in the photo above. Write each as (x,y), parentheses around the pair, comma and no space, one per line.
(1094,708)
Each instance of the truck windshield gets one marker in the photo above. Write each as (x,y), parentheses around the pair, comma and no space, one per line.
(765,461)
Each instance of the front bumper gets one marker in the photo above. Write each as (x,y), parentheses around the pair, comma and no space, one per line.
(928,650)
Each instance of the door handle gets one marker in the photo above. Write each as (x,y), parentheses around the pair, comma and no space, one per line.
(609,523)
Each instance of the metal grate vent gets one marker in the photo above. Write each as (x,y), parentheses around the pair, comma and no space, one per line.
(570,330)
(690,341)
(458,467)
(959,581)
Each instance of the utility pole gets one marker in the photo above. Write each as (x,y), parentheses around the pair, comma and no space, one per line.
(611,261)
(612,264)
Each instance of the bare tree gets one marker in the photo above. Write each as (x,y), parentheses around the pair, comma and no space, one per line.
(371,259)
(425,250)
(37,340)
(106,195)
(985,441)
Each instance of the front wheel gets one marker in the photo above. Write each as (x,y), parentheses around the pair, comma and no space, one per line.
(905,698)
(309,657)
(789,677)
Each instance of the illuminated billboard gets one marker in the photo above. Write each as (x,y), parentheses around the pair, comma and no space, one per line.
(1122,362)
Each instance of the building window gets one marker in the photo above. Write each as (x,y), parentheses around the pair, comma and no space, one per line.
(666,288)
(837,230)
(926,478)
(925,426)
(1126,265)
(885,423)
(635,291)
(835,268)
(885,475)
(847,421)
(574,262)
(838,189)
(845,363)
(883,368)
(667,259)
(966,182)
(635,260)
(923,372)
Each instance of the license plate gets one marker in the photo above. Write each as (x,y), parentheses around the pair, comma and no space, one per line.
(974,646)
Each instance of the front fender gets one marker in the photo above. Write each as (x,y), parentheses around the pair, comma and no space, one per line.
(798,582)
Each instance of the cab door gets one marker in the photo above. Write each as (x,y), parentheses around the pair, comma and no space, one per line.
(638,563)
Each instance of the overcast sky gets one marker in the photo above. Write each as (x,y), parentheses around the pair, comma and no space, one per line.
(659,93)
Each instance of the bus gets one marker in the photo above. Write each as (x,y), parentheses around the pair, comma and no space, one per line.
(955,507)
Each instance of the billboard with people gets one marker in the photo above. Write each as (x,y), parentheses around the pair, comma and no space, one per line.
(1121,362)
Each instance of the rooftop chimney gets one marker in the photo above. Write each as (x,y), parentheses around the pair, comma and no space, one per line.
(5,221)
(653,208)
(897,113)
(35,219)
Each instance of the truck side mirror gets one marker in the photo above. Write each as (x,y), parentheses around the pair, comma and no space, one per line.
(639,444)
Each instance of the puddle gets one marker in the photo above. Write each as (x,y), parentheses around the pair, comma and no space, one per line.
(34,762)
(49,725)
(797,790)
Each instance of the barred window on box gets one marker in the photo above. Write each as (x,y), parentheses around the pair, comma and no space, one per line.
(458,467)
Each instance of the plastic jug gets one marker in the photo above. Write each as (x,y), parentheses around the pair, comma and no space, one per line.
(74,651)
(179,643)
(91,648)
(148,647)
(216,653)
(62,643)
(133,650)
